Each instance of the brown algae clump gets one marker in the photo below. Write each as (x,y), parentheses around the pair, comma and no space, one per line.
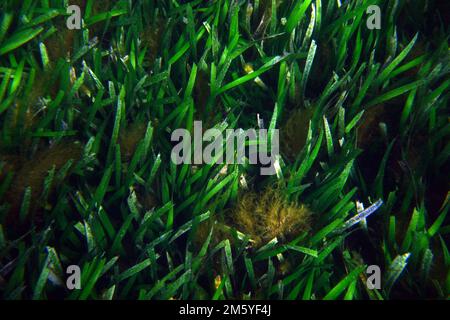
(33,172)
(129,139)
(262,216)
(221,232)
(268,215)
(295,132)
(151,39)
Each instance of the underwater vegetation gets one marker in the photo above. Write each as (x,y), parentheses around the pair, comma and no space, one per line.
(267,216)
(362,179)
(261,216)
